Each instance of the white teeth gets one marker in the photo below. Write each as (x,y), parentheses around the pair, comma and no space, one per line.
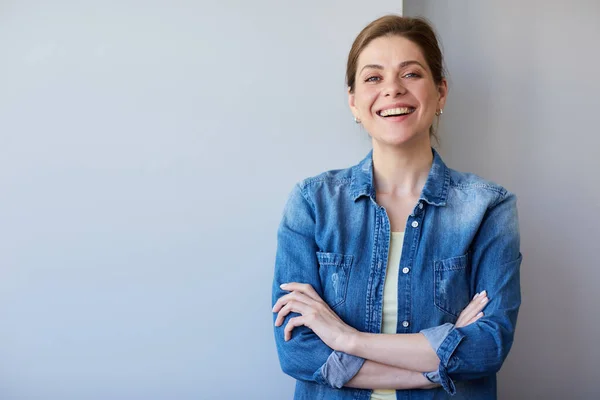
(396,111)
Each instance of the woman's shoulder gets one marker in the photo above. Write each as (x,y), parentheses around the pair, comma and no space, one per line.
(322,189)
(329,178)
(469,180)
(468,183)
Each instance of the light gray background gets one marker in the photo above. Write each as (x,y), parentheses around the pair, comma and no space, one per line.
(524,110)
(146,151)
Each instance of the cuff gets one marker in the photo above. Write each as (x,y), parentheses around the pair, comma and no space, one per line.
(444,351)
(338,369)
(436,337)
(433,377)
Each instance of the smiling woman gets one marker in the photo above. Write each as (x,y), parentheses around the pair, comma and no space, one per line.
(394,85)
(383,269)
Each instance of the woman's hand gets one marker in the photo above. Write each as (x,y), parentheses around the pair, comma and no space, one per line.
(473,311)
(314,314)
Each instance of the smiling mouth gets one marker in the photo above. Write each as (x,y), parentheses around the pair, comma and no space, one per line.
(396,112)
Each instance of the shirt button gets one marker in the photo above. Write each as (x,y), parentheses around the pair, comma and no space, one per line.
(405,324)
(414,224)
(405,270)
(421,206)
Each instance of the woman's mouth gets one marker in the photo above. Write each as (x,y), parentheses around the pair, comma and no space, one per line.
(396,112)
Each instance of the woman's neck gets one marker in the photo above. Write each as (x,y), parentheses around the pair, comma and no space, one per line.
(401,171)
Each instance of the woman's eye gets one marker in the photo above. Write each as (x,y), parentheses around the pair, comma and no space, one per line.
(412,75)
(372,79)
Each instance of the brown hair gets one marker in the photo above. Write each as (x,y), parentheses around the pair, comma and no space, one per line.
(417,30)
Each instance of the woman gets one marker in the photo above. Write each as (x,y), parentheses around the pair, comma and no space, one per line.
(376,264)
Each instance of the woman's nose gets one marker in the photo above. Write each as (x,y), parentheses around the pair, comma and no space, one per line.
(394,88)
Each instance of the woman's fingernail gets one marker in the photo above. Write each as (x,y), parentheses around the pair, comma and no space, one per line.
(480,314)
(483,293)
(476,296)
(283,285)
(484,300)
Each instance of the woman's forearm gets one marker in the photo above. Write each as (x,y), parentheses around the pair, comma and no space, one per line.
(374,375)
(410,351)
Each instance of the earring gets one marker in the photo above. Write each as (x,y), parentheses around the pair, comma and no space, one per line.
(357,120)
(440,112)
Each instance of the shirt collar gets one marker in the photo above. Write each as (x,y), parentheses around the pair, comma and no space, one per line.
(434,192)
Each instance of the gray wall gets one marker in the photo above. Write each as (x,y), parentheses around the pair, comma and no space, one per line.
(524,111)
(146,151)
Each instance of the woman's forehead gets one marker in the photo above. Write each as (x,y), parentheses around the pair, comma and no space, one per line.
(389,51)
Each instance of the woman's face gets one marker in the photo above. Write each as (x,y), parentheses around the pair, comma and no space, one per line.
(395,97)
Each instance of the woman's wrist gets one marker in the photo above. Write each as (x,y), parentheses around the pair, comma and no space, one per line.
(350,342)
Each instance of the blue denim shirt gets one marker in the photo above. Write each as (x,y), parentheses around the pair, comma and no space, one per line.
(461,238)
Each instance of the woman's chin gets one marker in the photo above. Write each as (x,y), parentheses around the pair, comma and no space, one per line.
(399,139)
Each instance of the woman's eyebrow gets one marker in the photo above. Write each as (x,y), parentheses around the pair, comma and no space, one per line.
(401,65)
(411,62)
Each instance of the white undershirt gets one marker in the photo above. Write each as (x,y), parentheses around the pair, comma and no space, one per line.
(390,301)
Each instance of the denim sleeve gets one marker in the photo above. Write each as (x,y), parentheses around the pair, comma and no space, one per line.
(436,337)
(339,369)
(304,357)
(480,349)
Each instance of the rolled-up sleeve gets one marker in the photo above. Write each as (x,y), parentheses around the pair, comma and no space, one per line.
(305,356)
(480,349)
(436,337)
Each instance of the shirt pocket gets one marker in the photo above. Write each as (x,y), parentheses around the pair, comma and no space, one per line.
(334,271)
(452,284)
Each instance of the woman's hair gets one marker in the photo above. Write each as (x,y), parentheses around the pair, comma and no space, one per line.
(417,30)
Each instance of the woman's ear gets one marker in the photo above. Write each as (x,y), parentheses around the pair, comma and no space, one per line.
(352,104)
(443,93)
